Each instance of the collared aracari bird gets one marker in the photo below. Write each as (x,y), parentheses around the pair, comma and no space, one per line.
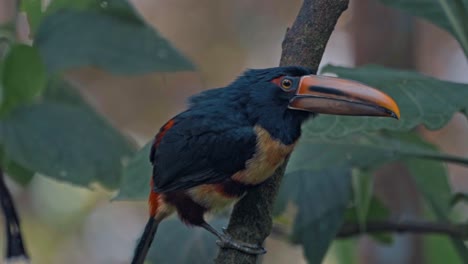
(233,138)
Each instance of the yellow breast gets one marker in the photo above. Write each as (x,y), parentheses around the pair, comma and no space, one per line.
(270,154)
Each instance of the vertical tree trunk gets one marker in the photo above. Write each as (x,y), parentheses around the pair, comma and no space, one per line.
(304,44)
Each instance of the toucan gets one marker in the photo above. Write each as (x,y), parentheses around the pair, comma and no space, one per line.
(233,138)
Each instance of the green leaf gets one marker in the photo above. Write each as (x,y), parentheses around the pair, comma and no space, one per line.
(19,174)
(438,249)
(33,10)
(465,112)
(61,91)
(451,15)
(363,151)
(288,192)
(459,197)
(363,183)
(117,8)
(377,212)
(321,199)
(106,40)
(346,251)
(23,76)
(65,142)
(422,100)
(16,172)
(176,243)
(60,5)
(432,180)
(136,176)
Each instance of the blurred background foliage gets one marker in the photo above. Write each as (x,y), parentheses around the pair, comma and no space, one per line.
(85,84)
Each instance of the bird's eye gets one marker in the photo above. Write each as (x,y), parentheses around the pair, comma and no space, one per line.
(286,84)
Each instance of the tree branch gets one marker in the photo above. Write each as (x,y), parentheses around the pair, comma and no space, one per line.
(304,44)
(15,247)
(419,227)
(351,229)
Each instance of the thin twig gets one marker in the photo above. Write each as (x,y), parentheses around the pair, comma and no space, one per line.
(15,247)
(414,227)
(352,229)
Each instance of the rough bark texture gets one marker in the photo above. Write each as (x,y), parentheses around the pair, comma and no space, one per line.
(306,40)
(304,45)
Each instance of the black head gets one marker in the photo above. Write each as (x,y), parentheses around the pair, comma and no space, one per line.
(280,99)
(269,92)
(272,87)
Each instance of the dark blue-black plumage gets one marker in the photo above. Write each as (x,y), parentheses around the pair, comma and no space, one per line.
(214,137)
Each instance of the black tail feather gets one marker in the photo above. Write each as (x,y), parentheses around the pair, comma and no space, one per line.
(15,247)
(145,241)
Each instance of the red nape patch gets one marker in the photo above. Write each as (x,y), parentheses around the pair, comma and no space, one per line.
(163,131)
(277,81)
(153,201)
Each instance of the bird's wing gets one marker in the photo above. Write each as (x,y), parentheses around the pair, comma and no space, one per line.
(188,153)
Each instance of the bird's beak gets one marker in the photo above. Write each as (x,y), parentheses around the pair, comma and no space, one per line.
(328,95)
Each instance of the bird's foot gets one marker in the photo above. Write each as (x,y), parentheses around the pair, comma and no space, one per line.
(226,241)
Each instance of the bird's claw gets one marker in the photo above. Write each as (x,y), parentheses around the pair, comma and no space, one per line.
(244,244)
(226,241)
